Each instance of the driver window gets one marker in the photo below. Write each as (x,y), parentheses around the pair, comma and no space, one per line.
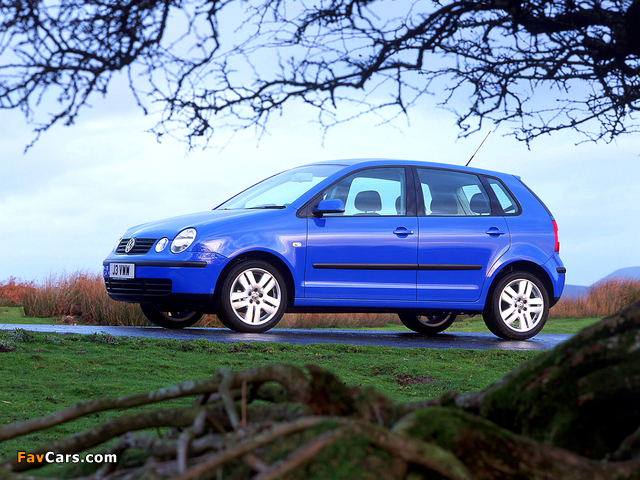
(371,192)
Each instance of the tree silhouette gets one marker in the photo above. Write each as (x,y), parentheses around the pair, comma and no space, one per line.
(541,66)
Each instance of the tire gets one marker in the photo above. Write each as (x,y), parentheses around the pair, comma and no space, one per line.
(253,297)
(427,324)
(518,307)
(175,319)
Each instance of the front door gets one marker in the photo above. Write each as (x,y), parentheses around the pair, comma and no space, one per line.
(370,251)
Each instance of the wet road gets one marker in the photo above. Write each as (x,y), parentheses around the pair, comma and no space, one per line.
(481,341)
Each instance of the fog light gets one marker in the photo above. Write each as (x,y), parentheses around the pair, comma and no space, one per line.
(161,245)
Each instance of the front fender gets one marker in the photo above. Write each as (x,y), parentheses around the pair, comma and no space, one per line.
(282,236)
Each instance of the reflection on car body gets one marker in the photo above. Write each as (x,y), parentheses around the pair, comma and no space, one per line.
(424,240)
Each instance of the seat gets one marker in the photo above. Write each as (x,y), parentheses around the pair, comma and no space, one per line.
(444,205)
(479,205)
(368,202)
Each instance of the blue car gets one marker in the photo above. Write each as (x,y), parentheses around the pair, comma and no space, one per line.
(424,240)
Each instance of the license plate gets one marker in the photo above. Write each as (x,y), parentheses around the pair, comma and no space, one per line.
(122,270)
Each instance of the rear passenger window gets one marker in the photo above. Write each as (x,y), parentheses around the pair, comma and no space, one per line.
(508,204)
(447,193)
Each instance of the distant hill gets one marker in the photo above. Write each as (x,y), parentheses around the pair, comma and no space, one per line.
(573,291)
(629,272)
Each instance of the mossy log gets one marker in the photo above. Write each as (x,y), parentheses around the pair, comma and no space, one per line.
(582,396)
(494,453)
(571,413)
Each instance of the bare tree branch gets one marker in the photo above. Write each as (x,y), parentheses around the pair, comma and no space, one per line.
(542,66)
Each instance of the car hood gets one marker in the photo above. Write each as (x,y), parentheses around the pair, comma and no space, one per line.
(170,227)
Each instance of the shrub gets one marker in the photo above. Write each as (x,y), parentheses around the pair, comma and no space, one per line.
(84,296)
(13,290)
(337,320)
(80,295)
(602,299)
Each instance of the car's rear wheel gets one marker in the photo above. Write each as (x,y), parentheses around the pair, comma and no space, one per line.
(518,307)
(174,318)
(253,297)
(427,324)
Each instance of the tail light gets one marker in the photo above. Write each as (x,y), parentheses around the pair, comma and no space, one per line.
(555,234)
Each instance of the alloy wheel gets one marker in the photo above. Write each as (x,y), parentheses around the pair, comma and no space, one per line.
(255,296)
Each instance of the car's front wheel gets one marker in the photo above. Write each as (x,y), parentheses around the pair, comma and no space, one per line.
(518,307)
(253,297)
(174,318)
(427,324)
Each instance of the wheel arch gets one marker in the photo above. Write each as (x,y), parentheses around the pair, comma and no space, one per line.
(523,266)
(271,258)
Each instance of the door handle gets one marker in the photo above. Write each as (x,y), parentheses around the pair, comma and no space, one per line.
(403,231)
(495,231)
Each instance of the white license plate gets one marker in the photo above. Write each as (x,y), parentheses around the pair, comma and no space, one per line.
(122,270)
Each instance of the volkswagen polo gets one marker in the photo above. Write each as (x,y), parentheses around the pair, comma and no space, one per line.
(423,240)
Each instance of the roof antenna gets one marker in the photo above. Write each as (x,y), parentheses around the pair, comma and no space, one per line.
(474,153)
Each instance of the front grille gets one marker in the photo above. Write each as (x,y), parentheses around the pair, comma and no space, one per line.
(139,286)
(142,246)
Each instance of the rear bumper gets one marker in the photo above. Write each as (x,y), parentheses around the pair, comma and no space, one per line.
(556,271)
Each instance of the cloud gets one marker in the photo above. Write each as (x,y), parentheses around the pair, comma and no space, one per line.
(65,203)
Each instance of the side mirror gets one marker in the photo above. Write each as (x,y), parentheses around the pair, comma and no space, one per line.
(329,205)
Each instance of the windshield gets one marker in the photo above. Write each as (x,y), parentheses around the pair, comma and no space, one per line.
(281,189)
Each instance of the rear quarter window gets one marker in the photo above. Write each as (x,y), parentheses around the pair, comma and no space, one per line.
(505,199)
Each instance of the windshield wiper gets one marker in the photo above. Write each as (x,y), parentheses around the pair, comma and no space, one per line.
(266,207)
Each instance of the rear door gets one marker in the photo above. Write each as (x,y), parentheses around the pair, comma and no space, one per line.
(459,238)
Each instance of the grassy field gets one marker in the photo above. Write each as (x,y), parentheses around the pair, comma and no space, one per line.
(15,315)
(43,373)
(83,296)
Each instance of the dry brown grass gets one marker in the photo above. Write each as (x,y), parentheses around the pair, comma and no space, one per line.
(13,290)
(602,299)
(83,295)
(80,295)
(322,320)
(337,320)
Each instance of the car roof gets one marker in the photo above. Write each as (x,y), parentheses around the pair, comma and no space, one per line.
(372,162)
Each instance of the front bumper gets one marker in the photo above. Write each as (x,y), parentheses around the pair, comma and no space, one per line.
(190,281)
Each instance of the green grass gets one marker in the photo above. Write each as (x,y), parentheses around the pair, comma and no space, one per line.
(476,325)
(43,373)
(564,325)
(15,315)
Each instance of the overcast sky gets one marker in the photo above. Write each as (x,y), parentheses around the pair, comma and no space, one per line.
(65,203)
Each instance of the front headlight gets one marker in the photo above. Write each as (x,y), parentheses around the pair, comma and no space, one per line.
(183,240)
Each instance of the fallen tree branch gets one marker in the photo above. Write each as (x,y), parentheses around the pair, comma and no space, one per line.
(584,394)
(292,378)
